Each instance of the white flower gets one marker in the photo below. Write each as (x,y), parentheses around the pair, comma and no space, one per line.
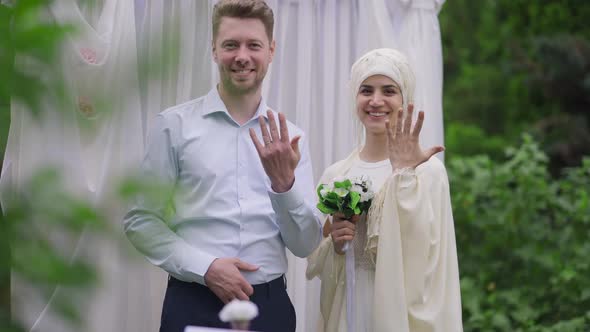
(356,188)
(238,310)
(341,192)
(329,187)
(324,192)
(367,196)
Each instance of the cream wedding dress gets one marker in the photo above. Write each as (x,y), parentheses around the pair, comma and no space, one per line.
(410,239)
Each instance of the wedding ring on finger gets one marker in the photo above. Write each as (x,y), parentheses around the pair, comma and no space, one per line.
(267,141)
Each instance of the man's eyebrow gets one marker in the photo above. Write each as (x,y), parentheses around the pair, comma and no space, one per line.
(248,41)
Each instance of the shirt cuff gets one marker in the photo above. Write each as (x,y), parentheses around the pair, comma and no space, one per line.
(290,199)
(195,264)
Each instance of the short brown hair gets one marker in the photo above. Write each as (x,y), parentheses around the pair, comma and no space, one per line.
(243,9)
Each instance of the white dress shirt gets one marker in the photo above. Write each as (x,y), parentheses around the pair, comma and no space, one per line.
(223,201)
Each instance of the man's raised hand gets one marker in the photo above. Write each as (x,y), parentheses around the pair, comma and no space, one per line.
(278,154)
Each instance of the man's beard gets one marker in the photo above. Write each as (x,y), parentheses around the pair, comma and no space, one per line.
(234,89)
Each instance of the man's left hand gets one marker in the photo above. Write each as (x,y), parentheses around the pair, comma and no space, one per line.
(278,154)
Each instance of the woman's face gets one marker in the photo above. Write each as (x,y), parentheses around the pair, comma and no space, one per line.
(377,100)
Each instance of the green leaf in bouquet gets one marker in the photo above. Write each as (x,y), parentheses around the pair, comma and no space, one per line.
(344,184)
(331,205)
(357,210)
(354,199)
(347,213)
(325,209)
(364,206)
(342,203)
(319,190)
(332,197)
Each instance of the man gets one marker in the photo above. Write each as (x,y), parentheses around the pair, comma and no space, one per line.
(239,200)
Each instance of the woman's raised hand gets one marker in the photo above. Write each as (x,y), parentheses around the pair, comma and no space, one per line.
(403,142)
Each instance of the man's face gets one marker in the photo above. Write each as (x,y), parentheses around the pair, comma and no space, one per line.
(242,52)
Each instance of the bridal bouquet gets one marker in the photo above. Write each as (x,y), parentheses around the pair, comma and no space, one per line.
(347,196)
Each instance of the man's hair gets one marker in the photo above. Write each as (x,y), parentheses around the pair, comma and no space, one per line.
(243,9)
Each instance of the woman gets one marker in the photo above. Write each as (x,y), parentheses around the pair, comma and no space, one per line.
(406,268)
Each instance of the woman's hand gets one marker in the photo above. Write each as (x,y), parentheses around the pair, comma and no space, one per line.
(403,143)
(342,230)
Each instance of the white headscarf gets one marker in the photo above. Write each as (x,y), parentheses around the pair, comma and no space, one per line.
(387,62)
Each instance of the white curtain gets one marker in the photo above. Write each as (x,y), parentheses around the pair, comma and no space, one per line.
(94,138)
(174,39)
(317,42)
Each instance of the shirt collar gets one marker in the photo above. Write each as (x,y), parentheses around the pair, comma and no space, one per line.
(214,104)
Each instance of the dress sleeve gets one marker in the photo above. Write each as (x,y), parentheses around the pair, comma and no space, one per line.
(429,249)
(411,230)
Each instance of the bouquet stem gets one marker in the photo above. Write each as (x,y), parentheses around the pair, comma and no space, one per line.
(350,288)
(346,246)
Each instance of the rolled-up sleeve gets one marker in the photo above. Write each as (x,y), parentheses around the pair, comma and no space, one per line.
(145,224)
(297,216)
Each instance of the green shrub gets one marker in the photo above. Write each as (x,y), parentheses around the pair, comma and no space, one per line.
(523,242)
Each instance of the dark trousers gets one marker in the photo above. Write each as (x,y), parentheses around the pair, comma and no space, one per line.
(194,304)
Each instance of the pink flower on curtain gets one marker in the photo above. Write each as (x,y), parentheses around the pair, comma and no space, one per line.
(88,54)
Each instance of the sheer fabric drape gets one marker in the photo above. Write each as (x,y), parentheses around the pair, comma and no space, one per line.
(93,139)
(170,53)
(317,42)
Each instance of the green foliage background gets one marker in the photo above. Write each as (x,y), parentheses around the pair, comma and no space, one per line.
(522,239)
(517,65)
(522,216)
